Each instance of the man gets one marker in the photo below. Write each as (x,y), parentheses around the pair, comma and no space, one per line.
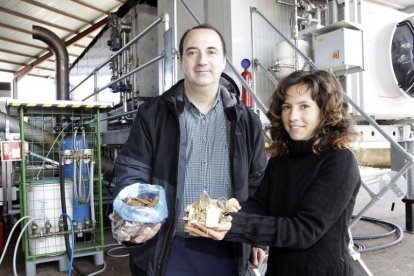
(196,136)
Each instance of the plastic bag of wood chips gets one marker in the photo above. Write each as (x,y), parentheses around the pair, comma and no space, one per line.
(137,206)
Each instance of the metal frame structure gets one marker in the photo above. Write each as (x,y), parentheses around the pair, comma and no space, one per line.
(410,158)
(41,180)
(166,56)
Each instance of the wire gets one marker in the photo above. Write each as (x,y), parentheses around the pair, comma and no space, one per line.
(9,238)
(47,155)
(17,245)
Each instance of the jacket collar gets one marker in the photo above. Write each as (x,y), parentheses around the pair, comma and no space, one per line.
(175,97)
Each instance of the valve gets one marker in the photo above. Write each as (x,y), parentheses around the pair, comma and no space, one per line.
(48,226)
(34,228)
(87,223)
(61,225)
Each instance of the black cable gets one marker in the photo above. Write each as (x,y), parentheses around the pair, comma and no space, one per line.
(65,224)
(395,229)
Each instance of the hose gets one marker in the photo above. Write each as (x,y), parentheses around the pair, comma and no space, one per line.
(395,229)
(17,245)
(9,238)
(91,196)
(64,211)
(117,247)
(72,252)
(80,191)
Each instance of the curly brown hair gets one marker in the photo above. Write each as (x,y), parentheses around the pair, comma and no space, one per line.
(337,127)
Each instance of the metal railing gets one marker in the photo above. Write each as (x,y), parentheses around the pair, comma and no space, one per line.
(166,55)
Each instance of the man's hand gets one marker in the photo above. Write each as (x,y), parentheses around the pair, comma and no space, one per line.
(147,234)
(257,257)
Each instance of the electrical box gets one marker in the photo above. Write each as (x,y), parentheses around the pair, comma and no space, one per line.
(340,50)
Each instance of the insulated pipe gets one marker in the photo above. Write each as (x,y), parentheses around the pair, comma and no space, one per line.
(62,59)
(30,132)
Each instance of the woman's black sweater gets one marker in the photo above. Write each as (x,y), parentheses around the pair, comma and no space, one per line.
(302,211)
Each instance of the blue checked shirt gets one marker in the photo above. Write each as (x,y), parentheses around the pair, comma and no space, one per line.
(208,163)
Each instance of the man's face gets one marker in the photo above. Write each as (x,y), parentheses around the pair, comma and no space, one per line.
(203,60)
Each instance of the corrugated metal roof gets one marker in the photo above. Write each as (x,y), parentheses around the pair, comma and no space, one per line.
(65,18)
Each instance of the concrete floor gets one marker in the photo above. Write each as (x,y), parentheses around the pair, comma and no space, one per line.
(396,260)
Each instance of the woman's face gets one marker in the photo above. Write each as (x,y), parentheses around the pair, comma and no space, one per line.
(301,115)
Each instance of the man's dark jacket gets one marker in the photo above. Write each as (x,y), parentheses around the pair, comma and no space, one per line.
(155,153)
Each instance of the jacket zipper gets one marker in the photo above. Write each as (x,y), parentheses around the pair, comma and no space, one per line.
(161,264)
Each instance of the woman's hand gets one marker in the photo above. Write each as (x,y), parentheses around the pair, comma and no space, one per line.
(257,257)
(199,230)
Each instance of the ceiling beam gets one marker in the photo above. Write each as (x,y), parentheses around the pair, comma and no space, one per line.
(23,64)
(91,6)
(12,62)
(29,56)
(31,18)
(7,71)
(16,53)
(14,28)
(49,8)
(23,43)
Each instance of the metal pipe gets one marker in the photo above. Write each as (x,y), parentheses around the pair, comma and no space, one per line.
(296,34)
(45,159)
(253,49)
(59,233)
(256,63)
(62,59)
(31,133)
(175,42)
(191,12)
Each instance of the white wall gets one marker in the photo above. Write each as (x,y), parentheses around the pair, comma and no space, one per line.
(32,88)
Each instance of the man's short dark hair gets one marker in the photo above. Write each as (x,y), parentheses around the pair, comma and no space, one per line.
(202,26)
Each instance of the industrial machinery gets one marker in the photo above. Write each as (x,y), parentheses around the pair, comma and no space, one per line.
(60,186)
(133,61)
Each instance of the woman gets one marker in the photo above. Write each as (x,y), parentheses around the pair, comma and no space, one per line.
(303,207)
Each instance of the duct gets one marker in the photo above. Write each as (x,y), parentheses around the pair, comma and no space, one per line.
(62,60)
(32,133)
